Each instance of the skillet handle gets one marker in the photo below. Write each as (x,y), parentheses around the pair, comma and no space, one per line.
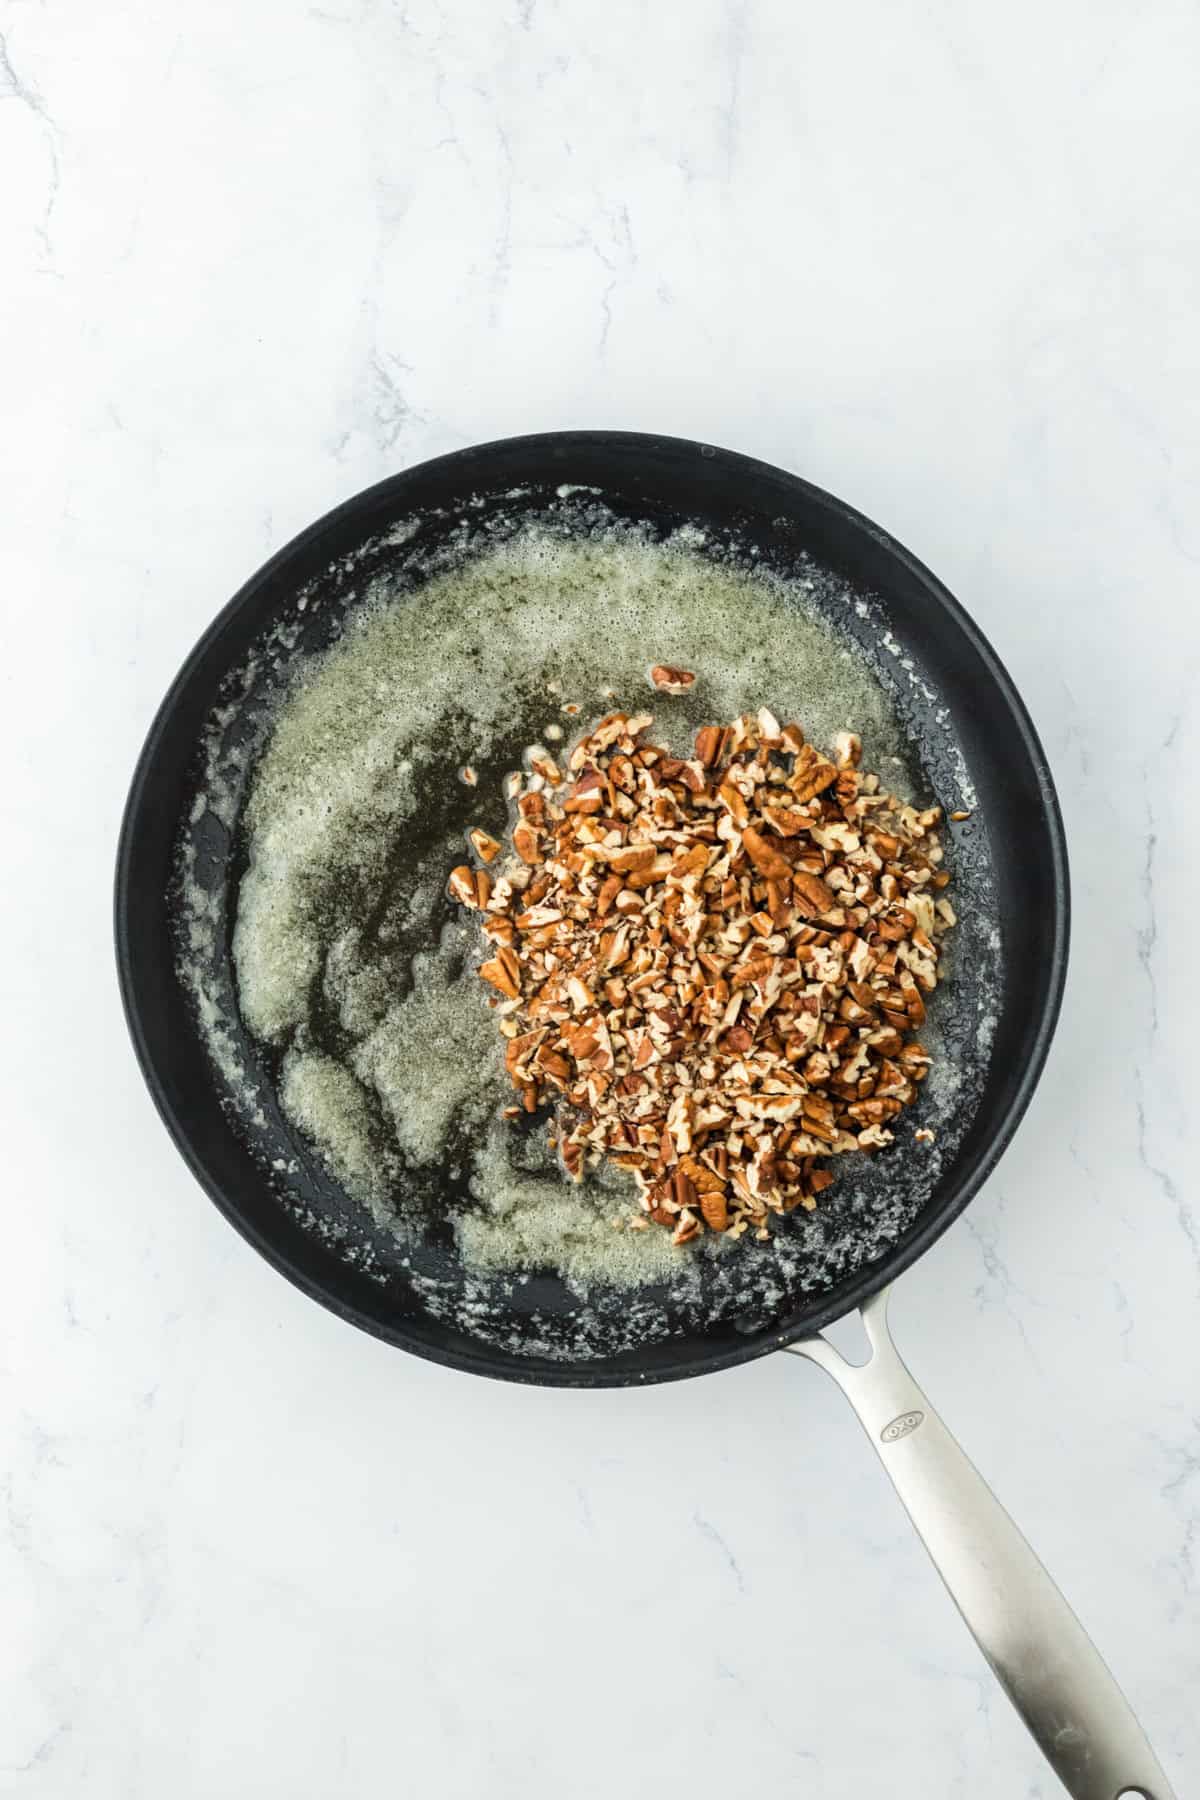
(1045,1661)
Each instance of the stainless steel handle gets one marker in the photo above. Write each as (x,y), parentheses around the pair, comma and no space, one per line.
(1042,1656)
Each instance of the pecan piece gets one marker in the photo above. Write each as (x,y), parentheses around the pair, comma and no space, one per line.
(526,843)
(462,885)
(764,857)
(812,895)
(670,680)
(501,974)
(610,887)
(710,741)
(483,844)
(785,821)
(733,798)
(631,858)
(715,1209)
(812,774)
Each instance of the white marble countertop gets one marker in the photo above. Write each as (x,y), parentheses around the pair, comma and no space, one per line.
(941,260)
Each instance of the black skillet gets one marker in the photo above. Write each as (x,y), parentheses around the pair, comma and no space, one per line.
(966,724)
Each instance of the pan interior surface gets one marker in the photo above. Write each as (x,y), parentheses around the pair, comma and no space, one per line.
(961,733)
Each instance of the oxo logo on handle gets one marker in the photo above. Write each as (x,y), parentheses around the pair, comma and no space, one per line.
(901,1427)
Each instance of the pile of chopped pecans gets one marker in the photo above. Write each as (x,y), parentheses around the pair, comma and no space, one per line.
(714,966)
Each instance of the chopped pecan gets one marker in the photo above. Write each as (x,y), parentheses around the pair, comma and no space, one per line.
(812,774)
(713,966)
(526,843)
(811,895)
(483,844)
(710,740)
(462,885)
(764,857)
(671,680)
(500,975)
(735,800)
(715,1209)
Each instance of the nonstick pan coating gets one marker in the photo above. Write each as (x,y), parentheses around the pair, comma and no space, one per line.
(968,732)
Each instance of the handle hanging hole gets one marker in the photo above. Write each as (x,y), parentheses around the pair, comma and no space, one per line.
(849,1338)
